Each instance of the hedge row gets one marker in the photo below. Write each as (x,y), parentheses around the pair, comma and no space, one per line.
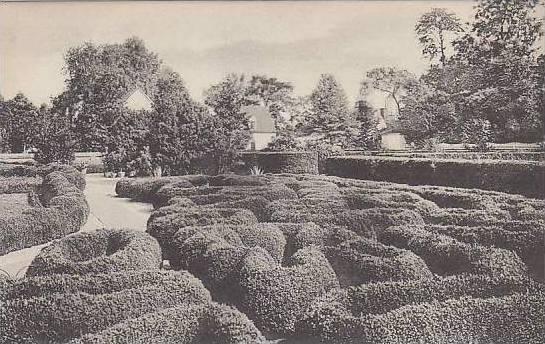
(166,221)
(103,283)
(527,243)
(213,323)
(447,256)
(100,251)
(518,318)
(383,297)
(10,185)
(16,170)
(283,162)
(64,211)
(526,178)
(144,189)
(57,317)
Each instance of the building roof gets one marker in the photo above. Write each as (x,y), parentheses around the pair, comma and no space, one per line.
(137,99)
(264,123)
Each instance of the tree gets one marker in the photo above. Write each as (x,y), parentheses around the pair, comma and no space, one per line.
(390,80)
(434,29)
(18,120)
(499,55)
(231,126)
(367,134)
(329,114)
(180,128)
(276,95)
(54,139)
(98,77)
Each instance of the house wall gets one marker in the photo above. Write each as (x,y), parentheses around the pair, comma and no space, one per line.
(393,141)
(138,101)
(261,140)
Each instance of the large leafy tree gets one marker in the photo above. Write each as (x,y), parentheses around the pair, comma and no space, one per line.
(276,95)
(98,78)
(329,114)
(54,138)
(18,118)
(435,29)
(500,54)
(391,81)
(231,128)
(180,128)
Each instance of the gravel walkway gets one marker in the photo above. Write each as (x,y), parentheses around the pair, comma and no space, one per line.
(107,211)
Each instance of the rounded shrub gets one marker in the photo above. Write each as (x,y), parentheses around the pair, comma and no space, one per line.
(266,287)
(100,251)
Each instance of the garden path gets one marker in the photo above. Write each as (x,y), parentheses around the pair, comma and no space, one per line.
(107,211)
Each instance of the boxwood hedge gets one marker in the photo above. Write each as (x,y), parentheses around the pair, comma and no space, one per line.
(57,317)
(100,251)
(447,256)
(517,318)
(214,324)
(275,296)
(64,211)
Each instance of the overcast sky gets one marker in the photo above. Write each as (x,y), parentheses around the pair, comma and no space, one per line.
(204,41)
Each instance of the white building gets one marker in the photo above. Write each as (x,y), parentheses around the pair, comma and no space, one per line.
(138,100)
(262,126)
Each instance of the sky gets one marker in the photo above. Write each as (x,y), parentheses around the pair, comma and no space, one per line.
(204,41)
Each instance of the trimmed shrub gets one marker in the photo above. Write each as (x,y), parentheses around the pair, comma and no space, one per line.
(383,297)
(528,244)
(283,162)
(274,296)
(64,211)
(520,177)
(100,251)
(214,324)
(363,261)
(11,185)
(447,256)
(103,283)
(369,222)
(467,217)
(358,198)
(58,317)
(518,318)
(144,189)
(256,204)
(237,180)
(216,262)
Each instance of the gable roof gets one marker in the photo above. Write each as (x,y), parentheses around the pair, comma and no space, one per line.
(137,99)
(264,123)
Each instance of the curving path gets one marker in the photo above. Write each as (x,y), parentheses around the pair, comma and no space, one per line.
(107,210)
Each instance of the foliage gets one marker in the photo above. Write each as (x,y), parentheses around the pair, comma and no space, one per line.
(284,142)
(433,29)
(231,131)
(276,95)
(329,115)
(98,79)
(367,133)
(181,130)
(53,139)
(18,117)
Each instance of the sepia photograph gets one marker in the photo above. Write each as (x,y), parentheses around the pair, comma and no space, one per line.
(272,172)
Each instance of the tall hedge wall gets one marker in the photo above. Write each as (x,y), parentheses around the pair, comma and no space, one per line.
(520,177)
